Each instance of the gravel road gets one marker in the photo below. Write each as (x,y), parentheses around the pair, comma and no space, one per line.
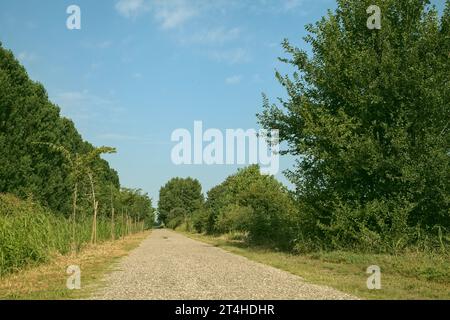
(169,266)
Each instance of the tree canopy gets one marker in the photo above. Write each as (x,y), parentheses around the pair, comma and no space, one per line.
(367,117)
(178,199)
(43,155)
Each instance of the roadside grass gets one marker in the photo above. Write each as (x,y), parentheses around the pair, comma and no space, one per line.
(48,281)
(411,275)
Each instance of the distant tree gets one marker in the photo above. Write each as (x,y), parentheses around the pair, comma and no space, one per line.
(253,202)
(184,195)
(138,205)
(368,118)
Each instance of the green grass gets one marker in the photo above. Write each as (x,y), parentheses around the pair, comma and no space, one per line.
(47,281)
(411,275)
(30,234)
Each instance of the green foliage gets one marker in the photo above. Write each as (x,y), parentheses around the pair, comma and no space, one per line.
(28,121)
(199,220)
(178,200)
(44,159)
(367,115)
(233,217)
(31,234)
(136,204)
(255,203)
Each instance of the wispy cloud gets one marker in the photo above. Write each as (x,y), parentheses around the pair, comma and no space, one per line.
(25,57)
(175,13)
(291,4)
(102,44)
(216,36)
(85,105)
(233,80)
(231,56)
(120,137)
(169,14)
(131,8)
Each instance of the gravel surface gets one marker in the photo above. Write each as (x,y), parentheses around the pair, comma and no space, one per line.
(170,266)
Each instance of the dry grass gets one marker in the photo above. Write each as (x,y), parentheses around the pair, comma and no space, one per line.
(413,275)
(48,281)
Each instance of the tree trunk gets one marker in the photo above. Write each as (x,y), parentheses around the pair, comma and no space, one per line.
(112,216)
(95,205)
(74,212)
(122,231)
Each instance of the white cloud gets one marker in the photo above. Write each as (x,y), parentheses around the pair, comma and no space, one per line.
(104,44)
(84,105)
(291,4)
(175,13)
(218,35)
(131,8)
(27,57)
(232,56)
(233,80)
(170,14)
(119,137)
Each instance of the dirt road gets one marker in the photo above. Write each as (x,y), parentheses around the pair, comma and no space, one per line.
(168,266)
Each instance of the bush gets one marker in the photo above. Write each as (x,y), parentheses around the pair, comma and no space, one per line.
(199,220)
(252,202)
(233,218)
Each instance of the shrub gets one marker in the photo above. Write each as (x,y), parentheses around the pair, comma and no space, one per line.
(233,218)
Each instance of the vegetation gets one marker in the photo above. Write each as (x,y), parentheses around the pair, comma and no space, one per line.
(56,193)
(367,116)
(411,275)
(31,234)
(48,280)
(178,200)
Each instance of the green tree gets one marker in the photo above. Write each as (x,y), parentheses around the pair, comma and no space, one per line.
(179,197)
(367,116)
(256,203)
(82,166)
(27,116)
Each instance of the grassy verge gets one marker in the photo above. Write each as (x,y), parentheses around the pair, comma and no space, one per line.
(413,275)
(48,281)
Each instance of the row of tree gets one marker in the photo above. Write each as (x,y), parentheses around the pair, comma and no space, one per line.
(367,116)
(43,157)
(247,202)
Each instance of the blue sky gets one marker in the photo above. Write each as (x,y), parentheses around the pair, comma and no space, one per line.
(139,69)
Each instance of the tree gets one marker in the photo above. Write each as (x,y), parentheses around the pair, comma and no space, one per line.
(367,116)
(138,205)
(184,195)
(27,116)
(81,165)
(255,203)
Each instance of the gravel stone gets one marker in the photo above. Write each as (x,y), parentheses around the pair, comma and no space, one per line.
(170,266)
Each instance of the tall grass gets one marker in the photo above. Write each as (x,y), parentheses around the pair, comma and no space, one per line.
(30,234)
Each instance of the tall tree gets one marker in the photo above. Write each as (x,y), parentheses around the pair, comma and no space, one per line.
(27,116)
(367,116)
